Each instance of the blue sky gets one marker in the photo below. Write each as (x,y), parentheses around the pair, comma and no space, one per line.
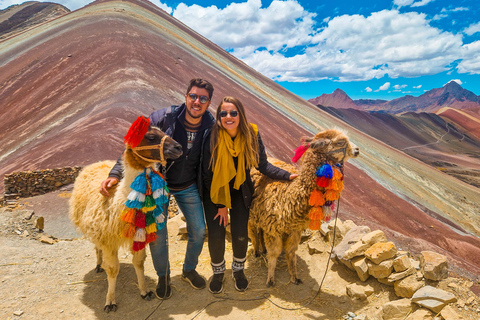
(369,49)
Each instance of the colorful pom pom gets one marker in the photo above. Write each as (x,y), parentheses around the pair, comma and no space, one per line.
(140,235)
(140,220)
(316,198)
(137,246)
(325,171)
(299,153)
(151,237)
(137,131)
(314,225)
(140,183)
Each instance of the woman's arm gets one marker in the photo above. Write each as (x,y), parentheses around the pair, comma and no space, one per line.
(269,169)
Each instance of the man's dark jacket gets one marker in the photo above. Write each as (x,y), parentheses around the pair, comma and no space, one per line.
(187,169)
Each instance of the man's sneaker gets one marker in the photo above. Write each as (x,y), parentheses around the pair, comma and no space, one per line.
(164,290)
(241,282)
(216,284)
(195,280)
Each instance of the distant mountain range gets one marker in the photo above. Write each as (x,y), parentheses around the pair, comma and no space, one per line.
(452,95)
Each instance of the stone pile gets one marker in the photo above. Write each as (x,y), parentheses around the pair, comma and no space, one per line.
(370,254)
(24,184)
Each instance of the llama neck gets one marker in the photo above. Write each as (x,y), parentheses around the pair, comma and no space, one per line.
(310,164)
(304,184)
(129,174)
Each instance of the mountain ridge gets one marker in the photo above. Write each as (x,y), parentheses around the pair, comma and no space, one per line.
(451,95)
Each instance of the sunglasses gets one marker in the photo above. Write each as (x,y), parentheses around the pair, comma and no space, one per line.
(233,113)
(194,97)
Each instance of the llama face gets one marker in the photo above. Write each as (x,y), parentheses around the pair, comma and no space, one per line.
(335,144)
(153,137)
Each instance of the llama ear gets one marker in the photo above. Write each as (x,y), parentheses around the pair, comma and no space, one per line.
(320,143)
(305,141)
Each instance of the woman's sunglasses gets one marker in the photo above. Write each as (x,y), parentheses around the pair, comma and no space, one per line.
(233,113)
(194,97)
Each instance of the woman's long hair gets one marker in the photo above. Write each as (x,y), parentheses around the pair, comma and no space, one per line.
(244,128)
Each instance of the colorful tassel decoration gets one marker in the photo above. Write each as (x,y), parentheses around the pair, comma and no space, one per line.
(137,246)
(322,182)
(140,220)
(143,215)
(325,171)
(329,185)
(137,131)
(314,225)
(315,213)
(298,153)
(316,198)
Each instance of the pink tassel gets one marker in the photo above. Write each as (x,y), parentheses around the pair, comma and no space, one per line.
(299,153)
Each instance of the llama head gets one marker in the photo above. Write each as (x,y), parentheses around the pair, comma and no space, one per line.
(334,144)
(147,144)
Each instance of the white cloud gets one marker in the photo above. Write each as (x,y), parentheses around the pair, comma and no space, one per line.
(472,29)
(421,3)
(247,26)
(411,3)
(455,80)
(402,3)
(368,89)
(399,86)
(439,17)
(385,86)
(417,87)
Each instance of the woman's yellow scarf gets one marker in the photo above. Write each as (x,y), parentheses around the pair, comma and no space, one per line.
(224,170)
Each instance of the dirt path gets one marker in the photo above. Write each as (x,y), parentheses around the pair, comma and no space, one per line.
(58,281)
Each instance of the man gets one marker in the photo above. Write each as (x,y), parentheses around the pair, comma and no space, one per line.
(189,125)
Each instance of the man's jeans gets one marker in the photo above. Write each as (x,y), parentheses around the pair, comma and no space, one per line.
(190,204)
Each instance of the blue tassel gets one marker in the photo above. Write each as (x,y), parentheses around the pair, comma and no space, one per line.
(157,211)
(134,204)
(160,226)
(156,182)
(140,183)
(161,200)
(325,171)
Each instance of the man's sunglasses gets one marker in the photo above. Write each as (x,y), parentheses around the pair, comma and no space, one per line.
(233,113)
(194,97)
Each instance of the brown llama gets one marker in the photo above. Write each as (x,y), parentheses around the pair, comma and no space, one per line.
(280,209)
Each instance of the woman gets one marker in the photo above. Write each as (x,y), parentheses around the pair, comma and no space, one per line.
(235,147)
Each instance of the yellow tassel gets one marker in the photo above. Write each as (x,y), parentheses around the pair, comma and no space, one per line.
(331,195)
(315,213)
(314,225)
(151,228)
(316,198)
(147,209)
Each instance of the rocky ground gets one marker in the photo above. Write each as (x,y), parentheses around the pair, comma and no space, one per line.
(50,275)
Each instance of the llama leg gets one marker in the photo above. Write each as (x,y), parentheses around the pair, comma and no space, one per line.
(138,261)
(274,248)
(291,246)
(111,266)
(98,268)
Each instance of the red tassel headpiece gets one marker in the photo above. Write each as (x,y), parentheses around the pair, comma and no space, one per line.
(137,131)
(299,152)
